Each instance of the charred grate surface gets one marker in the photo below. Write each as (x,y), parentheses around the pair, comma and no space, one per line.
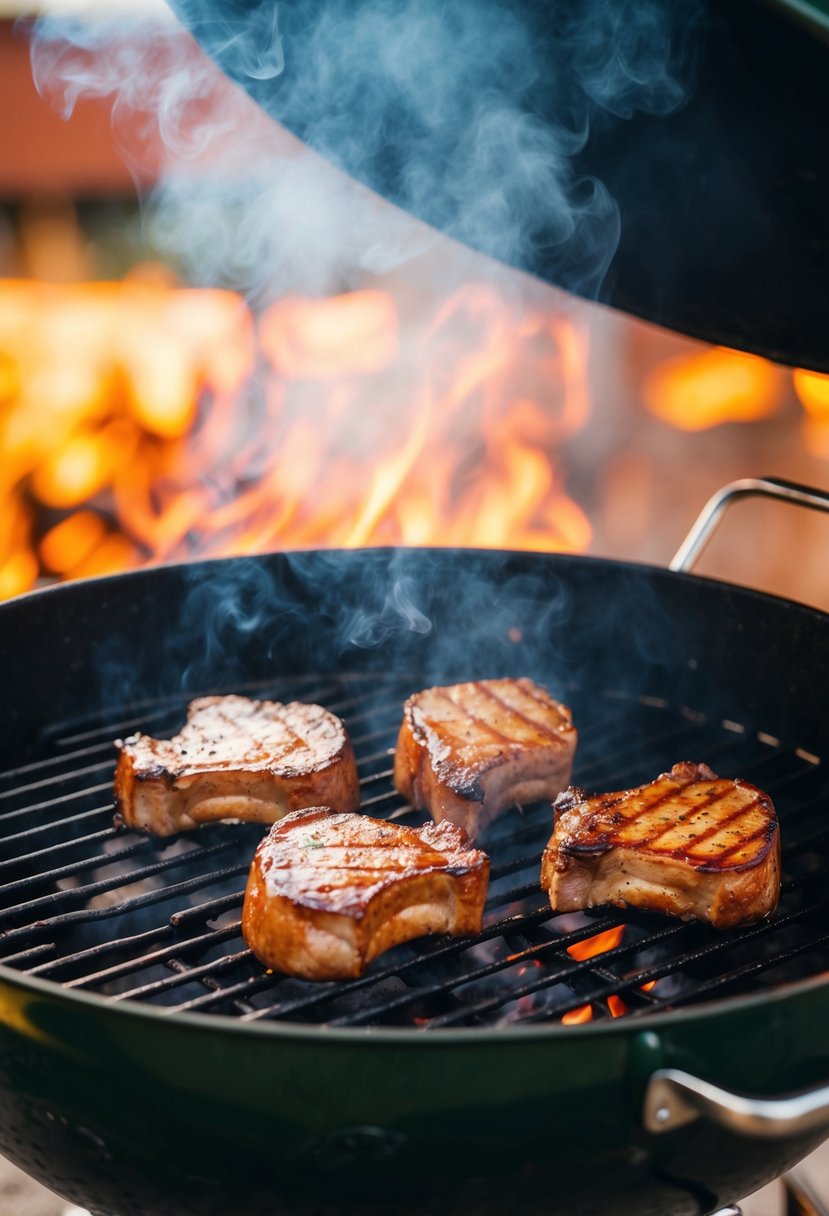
(105,910)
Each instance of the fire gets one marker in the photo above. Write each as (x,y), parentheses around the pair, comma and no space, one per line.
(695,391)
(141,421)
(599,944)
(590,948)
(584,1013)
(616,1006)
(812,390)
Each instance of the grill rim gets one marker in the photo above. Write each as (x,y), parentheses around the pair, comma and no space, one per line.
(645,1019)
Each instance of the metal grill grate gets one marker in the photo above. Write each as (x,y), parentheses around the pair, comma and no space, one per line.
(129,917)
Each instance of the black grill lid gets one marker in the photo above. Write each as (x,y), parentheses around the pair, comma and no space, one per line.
(723,201)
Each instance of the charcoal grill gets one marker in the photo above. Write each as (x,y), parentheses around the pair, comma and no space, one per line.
(149,1063)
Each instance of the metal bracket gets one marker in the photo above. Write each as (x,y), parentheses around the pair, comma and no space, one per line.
(749,487)
(674,1098)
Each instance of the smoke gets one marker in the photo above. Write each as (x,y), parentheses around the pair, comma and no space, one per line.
(470,117)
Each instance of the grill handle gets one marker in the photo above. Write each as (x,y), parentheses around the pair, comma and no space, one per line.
(674,1098)
(748,487)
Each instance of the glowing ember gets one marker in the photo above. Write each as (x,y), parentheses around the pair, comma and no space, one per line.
(599,944)
(575,1017)
(616,1006)
(71,542)
(694,392)
(166,423)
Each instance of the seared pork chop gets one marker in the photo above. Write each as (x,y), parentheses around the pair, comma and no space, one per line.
(327,893)
(689,843)
(236,759)
(468,751)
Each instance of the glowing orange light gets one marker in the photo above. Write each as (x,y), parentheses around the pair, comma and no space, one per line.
(348,335)
(695,392)
(813,390)
(114,554)
(598,944)
(616,1006)
(18,573)
(647,987)
(73,474)
(575,1017)
(71,541)
(138,396)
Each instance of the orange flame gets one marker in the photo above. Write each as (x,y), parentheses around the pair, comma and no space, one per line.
(616,1006)
(166,422)
(812,390)
(599,944)
(584,1013)
(701,390)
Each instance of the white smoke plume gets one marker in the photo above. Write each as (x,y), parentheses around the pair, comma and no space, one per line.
(437,104)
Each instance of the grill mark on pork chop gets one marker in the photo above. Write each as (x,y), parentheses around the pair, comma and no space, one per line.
(628,835)
(688,843)
(539,727)
(688,821)
(766,833)
(328,892)
(467,751)
(469,716)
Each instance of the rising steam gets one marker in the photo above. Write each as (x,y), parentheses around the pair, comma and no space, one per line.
(470,116)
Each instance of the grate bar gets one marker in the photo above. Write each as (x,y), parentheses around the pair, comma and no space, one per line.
(55,779)
(74,867)
(53,802)
(187,975)
(624,984)
(437,949)
(159,895)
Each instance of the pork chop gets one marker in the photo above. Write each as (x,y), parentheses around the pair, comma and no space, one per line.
(689,843)
(235,759)
(467,751)
(327,892)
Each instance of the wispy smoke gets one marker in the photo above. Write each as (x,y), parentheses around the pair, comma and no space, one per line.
(469,116)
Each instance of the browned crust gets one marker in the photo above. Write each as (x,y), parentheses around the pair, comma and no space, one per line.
(717,863)
(235,759)
(327,893)
(461,783)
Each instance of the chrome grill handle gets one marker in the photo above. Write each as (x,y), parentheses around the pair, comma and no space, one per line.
(674,1098)
(748,487)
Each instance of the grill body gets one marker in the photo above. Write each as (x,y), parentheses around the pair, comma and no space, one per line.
(129,1109)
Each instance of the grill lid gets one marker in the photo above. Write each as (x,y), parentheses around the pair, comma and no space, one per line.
(724,227)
